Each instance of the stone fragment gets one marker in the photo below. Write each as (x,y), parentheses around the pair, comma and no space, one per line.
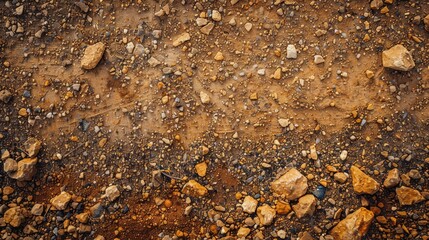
(37,209)
(284,122)
(392,179)
(92,55)
(340,177)
(60,201)
(207,28)
(277,74)
(398,58)
(10,166)
(266,215)
(193,188)
(205,98)
(313,152)
(249,204)
(376,4)
(19,10)
(291,52)
(32,146)
(283,208)
(14,216)
(291,185)
(201,169)
(218,56)
(306,206)
(26,169)
(153,62)
(248,26)
(408,196)
(182,38)
(201,22)
(83,217)
(318,59)
(243,232)
(130,47)
(426,22)
(5,96)
(362,183)
(112,193)
(354,226)
(216,16)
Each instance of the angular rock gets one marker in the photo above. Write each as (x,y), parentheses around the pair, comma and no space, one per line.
(340,177)
(318,59)
(362,183)
(306,206)
(249,204)
(283,208)
(376,4)
(354,226)
(14,216)
(292,184)
(392,179)
(216,16)
(32,146)
(37,209)
(291,52)
(193,188)
(207,28)
(153,62)
(112,193)
(201,22)
(96,210)
(398,58)
(266,215)
(61,200)
(25,171)
(426,22)
(284,122)
(182,38)
(92,55)
(305,236)
(205,98)
(10,166)
(5,96)
(408,196)
(201,169)
(243,232)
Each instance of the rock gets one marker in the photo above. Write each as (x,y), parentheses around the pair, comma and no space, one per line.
(248,26)
(201,169)
(201,22)
(60,201)
(205,98)
(207,28)
(193,188)
(261,72)
(130,47)
(291,52)
(343,155)
(305,236)
(408,196)
(426,22)
(32,146)
(243,232)
(92,55)
(139,49)
(318,59)
(5,96)
(96,210)
(14,216)
(340,177)
(82,217)
(218,56)
(354,226)
(376,4)
(284,122)
(216,16)
(26,169)
(99,237)
(292,185)
(37,209)
(313,152)
(83,7)
(233,2)
(362,183)
(277,74)
(281,234)
(392,179)
(398,58)
(19,10)
(8,190)
(249,204)
(153,62)
(283,208)
(182,38)
(266,215)
(112,193)
(10,166)
(306,206)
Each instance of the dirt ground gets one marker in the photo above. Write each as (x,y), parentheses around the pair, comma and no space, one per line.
(229,107)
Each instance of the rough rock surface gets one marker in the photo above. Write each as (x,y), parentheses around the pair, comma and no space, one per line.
(392,179)
(112,193)
(193,188)
(14,216)
(266,214)
(306,206)
(292,184)
(362,183)
(408,196)
(32,146)
(92,55)
(354,226)
(61,200)
(398,58)
(249,204)
(26,169)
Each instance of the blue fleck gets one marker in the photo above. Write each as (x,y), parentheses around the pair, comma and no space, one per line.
(319,192)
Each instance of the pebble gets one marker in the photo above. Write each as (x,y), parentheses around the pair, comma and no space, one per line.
(5,96)
(205,98)
(37,209)
(362,183)
(291,52)
(112,193)
(195,189)
(398,58)
(266,215)
(340,177)
(32,146)
(392,179)
(248,26)
(243,232)
(201,169)
(354,226)
(14,216)
(61,201)
(216,16)
(291,185)
(249,204)
(343,155)
(19,10)
(408,196)
(207,28)
(318,59)
(24,170)
(305,207)
(219,56)
(92,55)
(182,38)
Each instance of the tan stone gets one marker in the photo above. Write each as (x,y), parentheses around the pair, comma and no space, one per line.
(182,38)
(354,226)
(82,217)
(25,171)
(207,28)
(112,193)
(60,201)
(193,188)
(426,22)
(201,169)
(266,215)
(398,58)
(32,146)
(205,98)
(392,179)
(362,183)
(243,232)
(249,204)
(218,56)
(306,206)
(283,208)
(92,55)
(408,196)
(291,185)
(14,216)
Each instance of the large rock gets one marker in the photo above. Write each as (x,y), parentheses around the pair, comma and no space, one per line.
(32,146)
(363,183)
(291,185)
(305,206)
(92,55)
(60,201)
(408,196)
(354,226)
(112,193)
(26,169)
(249,204)
(14,216)
(193,188)
(266,215)
(392,178)
(10,166)
(398,58)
